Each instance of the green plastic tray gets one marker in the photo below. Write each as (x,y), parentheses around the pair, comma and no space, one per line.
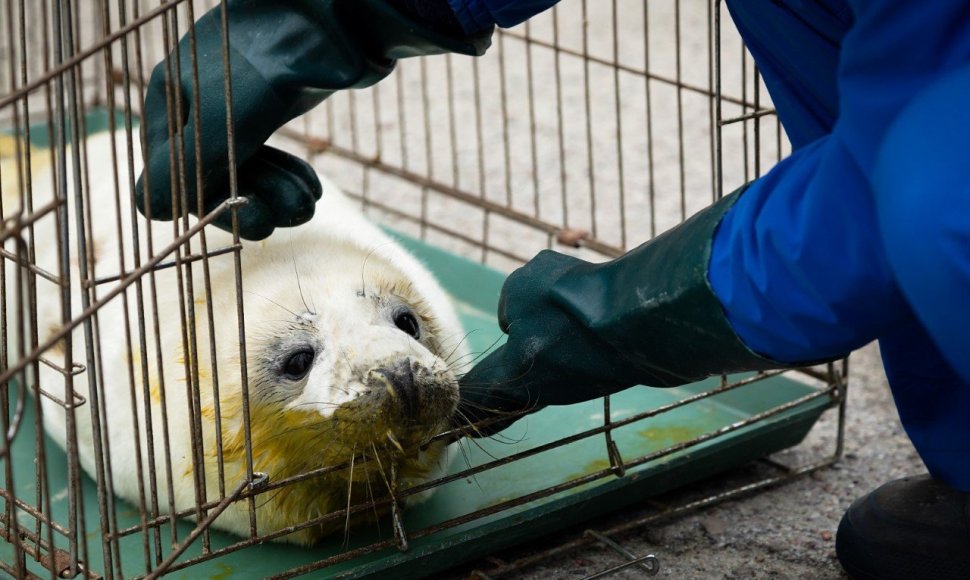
(476,290)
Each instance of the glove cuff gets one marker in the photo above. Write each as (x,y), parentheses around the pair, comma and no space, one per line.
(389,34)
(655,306)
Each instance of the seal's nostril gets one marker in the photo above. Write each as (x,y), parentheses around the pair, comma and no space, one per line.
(400,384)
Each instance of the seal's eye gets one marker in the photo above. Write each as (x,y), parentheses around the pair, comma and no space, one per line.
(298,364)
(408,323)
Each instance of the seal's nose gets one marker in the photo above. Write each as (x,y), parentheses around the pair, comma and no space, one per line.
(401,386)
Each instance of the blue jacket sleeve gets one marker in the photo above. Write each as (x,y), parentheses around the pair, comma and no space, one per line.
(477,15)
(798,263)
(829,249)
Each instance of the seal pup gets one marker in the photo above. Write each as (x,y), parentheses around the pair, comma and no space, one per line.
(349,344)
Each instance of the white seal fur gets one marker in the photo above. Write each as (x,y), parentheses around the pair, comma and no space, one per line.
(334,375)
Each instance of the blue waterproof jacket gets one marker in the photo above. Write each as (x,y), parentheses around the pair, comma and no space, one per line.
(863,233)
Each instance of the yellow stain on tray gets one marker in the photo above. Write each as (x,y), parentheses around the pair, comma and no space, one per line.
(594,466)
(655,438)
(225,571)
(667,435)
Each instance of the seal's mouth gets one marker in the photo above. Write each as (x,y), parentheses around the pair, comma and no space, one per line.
(412,392)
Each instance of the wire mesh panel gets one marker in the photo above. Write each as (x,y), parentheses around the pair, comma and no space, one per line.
(589,129)
(595,125)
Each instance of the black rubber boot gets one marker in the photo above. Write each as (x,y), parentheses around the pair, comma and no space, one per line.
(911,528)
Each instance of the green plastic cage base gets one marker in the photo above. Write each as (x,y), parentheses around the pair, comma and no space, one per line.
(476,288)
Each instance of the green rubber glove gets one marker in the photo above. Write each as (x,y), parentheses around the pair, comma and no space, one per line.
(578,331)
(286,57)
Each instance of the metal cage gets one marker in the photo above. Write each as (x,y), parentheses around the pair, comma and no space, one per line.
(589,129)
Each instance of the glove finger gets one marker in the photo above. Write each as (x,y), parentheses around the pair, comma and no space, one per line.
(159,175)
(299,169)
(287,185)
(527,288)
(506,299)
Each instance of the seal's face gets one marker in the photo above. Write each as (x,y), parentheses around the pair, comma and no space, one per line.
(348,365)
(364,358)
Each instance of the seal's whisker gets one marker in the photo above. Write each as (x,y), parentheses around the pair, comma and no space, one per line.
(464,453)
(380,467)
(363,266)
(488,453)
(511,380)
(370,495)
(271,301)
(458,345)
(498,437)
(299,287)
(468,462)
(457,367)
(350,488)
(269,321)
(482,353)
(469,405)
(472,425)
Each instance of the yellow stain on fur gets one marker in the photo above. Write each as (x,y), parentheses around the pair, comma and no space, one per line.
(8,146)
(287,442)
(184,360)
(59,347)
(11,171)
(154,388)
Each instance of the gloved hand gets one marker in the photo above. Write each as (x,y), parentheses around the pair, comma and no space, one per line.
(286,57)
(578,330)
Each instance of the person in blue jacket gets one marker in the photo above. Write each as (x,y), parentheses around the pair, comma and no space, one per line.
(863,233)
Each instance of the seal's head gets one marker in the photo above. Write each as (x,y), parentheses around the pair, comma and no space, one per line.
(350,358)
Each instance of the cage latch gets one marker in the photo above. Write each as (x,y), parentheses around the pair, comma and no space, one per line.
(616,460)
(259,481)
